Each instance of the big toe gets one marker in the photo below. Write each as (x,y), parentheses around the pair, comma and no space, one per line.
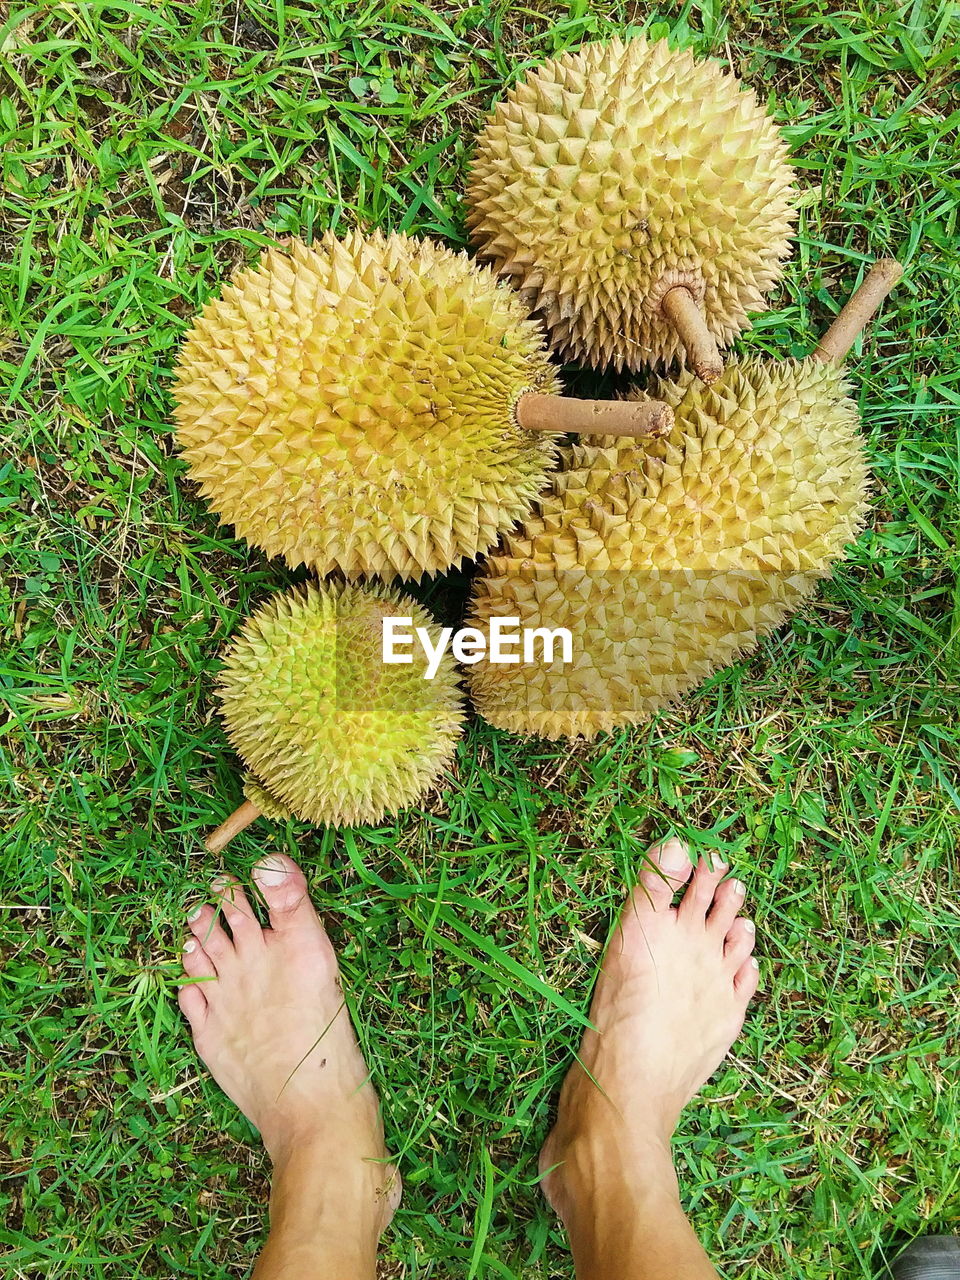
(283,888)
(667,867)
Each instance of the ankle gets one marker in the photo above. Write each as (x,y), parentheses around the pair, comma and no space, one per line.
(288,1142)
(320,1189)
(599,1176)
(627,1219)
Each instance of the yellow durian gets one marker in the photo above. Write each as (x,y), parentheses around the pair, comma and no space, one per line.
(351,406)
(668,559)
(640,200)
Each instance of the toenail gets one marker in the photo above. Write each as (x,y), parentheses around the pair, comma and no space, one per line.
(189,946)
(672,856)
(750,926)
(739,888)
(194,913)
(754,962)
(218,883)
(270,872)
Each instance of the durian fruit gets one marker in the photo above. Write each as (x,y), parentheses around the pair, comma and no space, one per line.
(331,733)
(639,199)
(666,560)
(373,405)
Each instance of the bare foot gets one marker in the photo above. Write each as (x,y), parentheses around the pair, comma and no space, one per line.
(269,1020)
(670,1001)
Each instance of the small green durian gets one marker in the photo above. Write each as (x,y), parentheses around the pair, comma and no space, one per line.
(329,732)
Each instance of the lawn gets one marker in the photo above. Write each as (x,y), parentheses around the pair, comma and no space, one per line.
(150,148)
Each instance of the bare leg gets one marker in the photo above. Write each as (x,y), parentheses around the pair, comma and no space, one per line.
(269,1021)
(670,1000)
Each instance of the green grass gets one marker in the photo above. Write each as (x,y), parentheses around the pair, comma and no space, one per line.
(150,147)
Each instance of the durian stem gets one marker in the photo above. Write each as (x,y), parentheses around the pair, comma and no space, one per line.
(638,418)
(682,310)
(851,321)
(237,822)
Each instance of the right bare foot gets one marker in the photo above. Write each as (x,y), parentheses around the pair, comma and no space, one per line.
(670,1001)
(269,1020)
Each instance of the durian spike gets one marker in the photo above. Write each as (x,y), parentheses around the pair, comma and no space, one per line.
(683,311)
(238,821)
(640,419)
(859,310)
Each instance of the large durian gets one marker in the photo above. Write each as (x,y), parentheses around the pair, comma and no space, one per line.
(666,560)
(639,199)
(357,406)
(329,732)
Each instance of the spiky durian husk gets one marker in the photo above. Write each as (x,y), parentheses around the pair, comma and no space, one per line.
(668,559)
(329,731)
(613,173)
(268,804)
(350,406)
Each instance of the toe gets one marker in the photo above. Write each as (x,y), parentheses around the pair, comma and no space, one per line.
(666,868)
(746,979)
(701,890)
(235,908)
(727,901)
(205,926)
(284,890)
(193,1005)
(196,963)
(738,945)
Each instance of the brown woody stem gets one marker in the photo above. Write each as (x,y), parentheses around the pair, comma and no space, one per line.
(682,310)
(237,822)
(594,417)
(842,334)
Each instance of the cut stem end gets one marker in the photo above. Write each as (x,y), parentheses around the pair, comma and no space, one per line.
(238,821)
